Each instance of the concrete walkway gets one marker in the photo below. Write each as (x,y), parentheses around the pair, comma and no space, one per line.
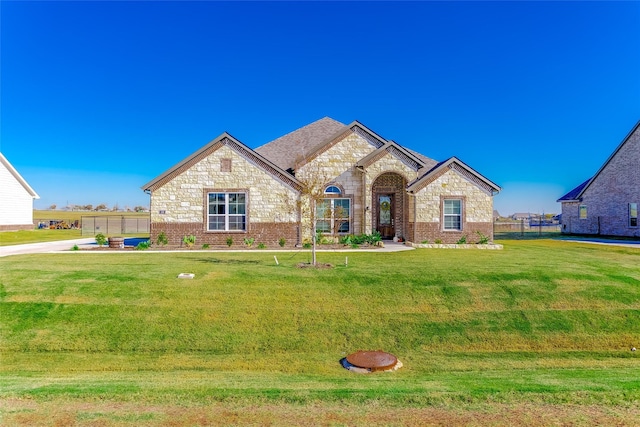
(64,246)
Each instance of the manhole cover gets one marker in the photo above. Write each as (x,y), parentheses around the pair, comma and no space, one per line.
(377,360)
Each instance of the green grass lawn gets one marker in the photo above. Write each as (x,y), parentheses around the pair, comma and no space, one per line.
(536,334)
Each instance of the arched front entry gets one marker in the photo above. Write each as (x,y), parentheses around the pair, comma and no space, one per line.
(389,200)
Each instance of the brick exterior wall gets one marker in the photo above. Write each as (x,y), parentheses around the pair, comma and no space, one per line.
(607,198)
(267,233)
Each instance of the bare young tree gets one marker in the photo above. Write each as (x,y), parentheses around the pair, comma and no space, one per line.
(313,180)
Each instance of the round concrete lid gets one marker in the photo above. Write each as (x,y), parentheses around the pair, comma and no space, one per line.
(377,360)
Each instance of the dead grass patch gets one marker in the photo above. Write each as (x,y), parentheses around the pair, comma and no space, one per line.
(19,412)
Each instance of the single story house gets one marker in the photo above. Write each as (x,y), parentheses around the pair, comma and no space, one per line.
(607,203)
(16,199)
(344,179)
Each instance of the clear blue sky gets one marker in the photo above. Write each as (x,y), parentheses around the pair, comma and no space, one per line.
(99,98)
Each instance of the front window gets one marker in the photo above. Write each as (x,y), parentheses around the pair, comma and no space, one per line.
(633,214)
(583,212)
(227,212)
(332,216)
(452,214)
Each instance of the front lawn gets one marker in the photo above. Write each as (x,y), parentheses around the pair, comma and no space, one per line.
(536,334)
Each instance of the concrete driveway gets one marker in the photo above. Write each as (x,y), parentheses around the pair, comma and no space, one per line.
(45,247)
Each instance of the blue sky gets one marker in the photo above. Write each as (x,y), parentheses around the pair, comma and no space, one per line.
(99,98)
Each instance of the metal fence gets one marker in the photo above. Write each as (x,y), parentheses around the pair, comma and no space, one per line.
(114,224)
(523,228)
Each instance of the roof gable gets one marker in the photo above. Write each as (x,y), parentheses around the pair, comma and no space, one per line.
(408,157)
(231,142)
(18,177)
(457,165)
(576,193)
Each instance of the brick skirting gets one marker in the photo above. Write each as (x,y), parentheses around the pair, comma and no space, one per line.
(432,231)
(267,233)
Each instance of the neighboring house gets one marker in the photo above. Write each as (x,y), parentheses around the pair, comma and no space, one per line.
(369,184)
(16,199)
(522,216)
(607,203)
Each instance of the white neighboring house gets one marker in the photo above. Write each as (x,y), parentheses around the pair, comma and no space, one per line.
(16,199)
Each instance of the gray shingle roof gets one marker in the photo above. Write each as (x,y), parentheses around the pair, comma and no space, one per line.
(295,146)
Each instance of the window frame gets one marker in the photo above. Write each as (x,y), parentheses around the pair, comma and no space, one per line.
(633,219)
(582,212)
(229,218)
(331,220)
(460,215)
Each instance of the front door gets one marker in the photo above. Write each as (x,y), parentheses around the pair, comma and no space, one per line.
(385,216)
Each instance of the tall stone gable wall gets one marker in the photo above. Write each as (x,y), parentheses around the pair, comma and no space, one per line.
(337,165)
(178,208)
(427,203)
(607,198)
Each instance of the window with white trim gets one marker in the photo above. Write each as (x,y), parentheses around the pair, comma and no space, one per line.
(633,214)
(333,216)
(582,211)
(332,189)
(452,214)
(227,212)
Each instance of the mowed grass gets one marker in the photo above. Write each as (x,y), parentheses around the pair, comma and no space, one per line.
(536,334)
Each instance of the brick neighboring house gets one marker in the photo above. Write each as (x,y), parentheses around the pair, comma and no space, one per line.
(16,199)
(607,203)
(226,189)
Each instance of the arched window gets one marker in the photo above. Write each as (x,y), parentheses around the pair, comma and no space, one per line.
(332,189)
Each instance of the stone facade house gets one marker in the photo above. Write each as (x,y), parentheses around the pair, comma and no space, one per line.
(358,181)
(607,203)
(16,199)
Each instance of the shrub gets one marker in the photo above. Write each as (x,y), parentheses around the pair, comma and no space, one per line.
(438,241)
(261,245)
(205,246)
(162,239)
(101,239)
(229,241)
(425,242)
(75,248)
(346,240)
(482,239)
(462,240)
(307,245)
(189,241)
(248,241)
(143,245)
(282,242)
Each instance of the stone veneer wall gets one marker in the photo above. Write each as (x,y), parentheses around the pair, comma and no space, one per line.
(183,201)
(337,165)
(607,198)
(425,207)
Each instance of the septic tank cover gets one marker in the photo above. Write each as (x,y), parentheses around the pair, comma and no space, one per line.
(371,361)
